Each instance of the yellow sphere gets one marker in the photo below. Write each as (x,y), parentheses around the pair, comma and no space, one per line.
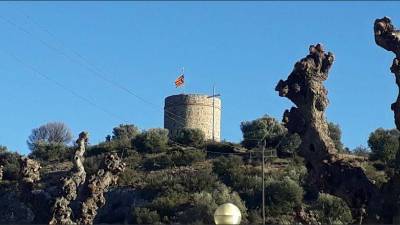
(227,213)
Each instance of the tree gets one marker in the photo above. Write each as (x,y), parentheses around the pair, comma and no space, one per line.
(361,151)
(384,144)
(266,127)
(335,133)
(125,132)
(50,133)
(332,210)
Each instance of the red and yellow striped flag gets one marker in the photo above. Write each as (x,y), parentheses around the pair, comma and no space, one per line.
(180,81)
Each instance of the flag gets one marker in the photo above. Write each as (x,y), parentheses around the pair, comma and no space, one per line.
(180,81)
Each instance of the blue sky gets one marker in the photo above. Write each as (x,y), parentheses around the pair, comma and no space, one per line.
(244,48)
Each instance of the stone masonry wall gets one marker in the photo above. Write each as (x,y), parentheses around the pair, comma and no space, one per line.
(193,111)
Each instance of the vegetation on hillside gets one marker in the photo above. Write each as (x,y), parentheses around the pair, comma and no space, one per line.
(182,179)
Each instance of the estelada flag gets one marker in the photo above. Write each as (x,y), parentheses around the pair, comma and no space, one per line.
(180,81)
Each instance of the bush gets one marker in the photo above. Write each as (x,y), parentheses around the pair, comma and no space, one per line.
(190,137)
(175,158)
(361,151)
(188,180)
(335,133)
(332,210)
(171,202)
(205,203)
(145,216)
(152,141)
(268,127)
(288,145)
(125,132)
(282,196)
(384,144)
(11,163)
(49,152)
(224,167)
(128,177)
(221,147)
(121,147)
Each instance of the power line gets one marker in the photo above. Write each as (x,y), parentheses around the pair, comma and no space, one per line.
(96,71)
(74,93)
(86,63)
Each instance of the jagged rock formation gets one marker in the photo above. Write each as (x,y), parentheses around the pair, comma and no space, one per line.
(91,193)
(387,37)
(304,88)
(62,211)
(30,170)
(327,173)
(108,174)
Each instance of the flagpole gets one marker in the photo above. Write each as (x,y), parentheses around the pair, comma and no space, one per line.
(213,110)
(183,73)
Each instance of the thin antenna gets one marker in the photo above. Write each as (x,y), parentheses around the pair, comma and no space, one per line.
(213,111)
(184,80)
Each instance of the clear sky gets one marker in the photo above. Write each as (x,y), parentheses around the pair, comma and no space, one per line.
(244,48)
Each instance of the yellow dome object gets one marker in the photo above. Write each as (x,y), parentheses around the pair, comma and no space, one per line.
(227,213)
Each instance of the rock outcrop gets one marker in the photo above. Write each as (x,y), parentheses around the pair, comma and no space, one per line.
(30,170)
(387,37)
(327,173)
(99,183)
(62,211)
(305,89)
(88,194)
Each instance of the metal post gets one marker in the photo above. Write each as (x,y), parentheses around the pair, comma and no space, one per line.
(263,181)
(213,98)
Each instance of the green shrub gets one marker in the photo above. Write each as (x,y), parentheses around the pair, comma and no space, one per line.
(169,203)
(282,196)
(188,180)
(265,127)
(125,132)
(120,146)
(361,151)
(175,158)
(223,165)
(152,141)
(335,133)
(384,144)
(11,163)
(205,203)
(332,210)
(128,178)
(158,162)
(221,147)
(288,145)
(51,152)
(190,137)
(145,216)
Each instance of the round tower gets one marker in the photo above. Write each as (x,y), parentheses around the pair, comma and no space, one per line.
(193,111)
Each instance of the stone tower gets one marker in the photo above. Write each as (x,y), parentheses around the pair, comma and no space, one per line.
(193,111)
